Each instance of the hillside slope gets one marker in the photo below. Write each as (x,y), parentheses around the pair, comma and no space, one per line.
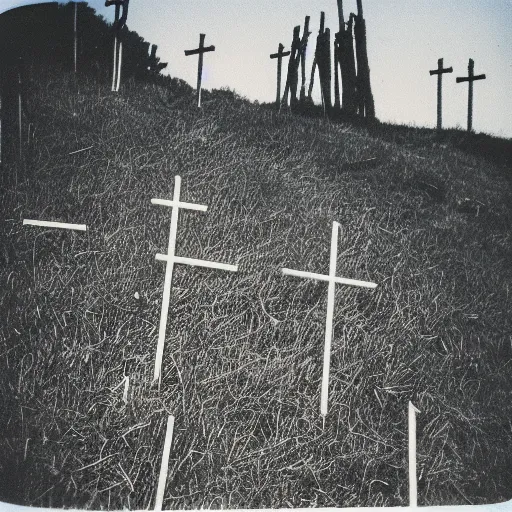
(430,223)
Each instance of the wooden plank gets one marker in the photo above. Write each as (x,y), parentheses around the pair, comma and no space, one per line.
(198,51)
(51,224)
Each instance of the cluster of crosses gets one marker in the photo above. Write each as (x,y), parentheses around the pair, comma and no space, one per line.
(171,259)
(470,79)
(351,69)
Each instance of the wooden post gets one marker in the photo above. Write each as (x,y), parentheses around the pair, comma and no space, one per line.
(75,35)
(366,104)
(292,78)
(200,51)
(323,59)
(279,56)
(346,61)
(303,47)
(439,72)
(315,60)
(470,78)
(20,107)
(336,77)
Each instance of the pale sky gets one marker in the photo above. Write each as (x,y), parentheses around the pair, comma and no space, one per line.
(405,39)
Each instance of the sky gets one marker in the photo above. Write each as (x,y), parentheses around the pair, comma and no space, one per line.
(405,39)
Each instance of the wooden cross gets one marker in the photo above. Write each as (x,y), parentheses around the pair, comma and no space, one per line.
(439,72)
(332,280)
(119,23)
(171,259)
(279,56)
(470,78)
(201,50)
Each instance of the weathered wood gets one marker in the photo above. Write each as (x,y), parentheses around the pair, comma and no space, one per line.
(279,56)
(292,78)
(303,47)
(346,61)
(20,106)
(75,37)
(323,59)
(200,51)
(336,77)
(366,106)
(470,78)
(119,23)
(439,72)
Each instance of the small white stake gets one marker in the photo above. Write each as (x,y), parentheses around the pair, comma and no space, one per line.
(119,66)
(198,263)
(126,387)
(179,204)
(332,280)
(413,483)
(49,224)
(115,65)
(164,466)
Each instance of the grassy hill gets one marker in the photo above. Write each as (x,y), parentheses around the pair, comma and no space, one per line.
(428,218)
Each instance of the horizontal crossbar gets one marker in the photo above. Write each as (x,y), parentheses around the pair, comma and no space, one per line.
(179,204)
(49,224)
(469,78)
(198,263)
(322,277)
(276,55)
(441,71)
(200,50)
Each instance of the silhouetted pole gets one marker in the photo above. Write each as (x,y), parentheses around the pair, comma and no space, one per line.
(279,56)
(303,46)
(315,60)
(336,77)
(365,97)
(75,35)
(292,77)
(470,78)
(20,109)
(200,51)
(346,61)
(119,23)
(439,72)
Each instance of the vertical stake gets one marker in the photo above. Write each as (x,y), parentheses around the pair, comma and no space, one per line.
(200,69)
(75,35)
(413,482)
(20,84)
(164,466)
(328,322)
(119,62)
(115,65)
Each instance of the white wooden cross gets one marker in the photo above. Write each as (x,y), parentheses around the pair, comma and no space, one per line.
(171,259)
(332,280)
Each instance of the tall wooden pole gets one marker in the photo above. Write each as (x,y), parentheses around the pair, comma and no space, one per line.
(303,46)
(200,69)
(75,35)
(20,85)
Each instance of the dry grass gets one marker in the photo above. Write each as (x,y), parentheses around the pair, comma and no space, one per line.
(242,364)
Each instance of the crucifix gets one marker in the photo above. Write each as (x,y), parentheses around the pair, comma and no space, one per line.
(332,280)
(439,72)
(170,258)
(470,78)
(279,56)
(201,51)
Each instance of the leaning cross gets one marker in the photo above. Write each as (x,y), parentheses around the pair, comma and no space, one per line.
(439,72)
(170,258)
(470,78)
(279,56)
(332,280)
(201,50)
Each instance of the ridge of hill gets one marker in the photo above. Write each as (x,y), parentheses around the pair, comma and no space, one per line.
(428,219)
